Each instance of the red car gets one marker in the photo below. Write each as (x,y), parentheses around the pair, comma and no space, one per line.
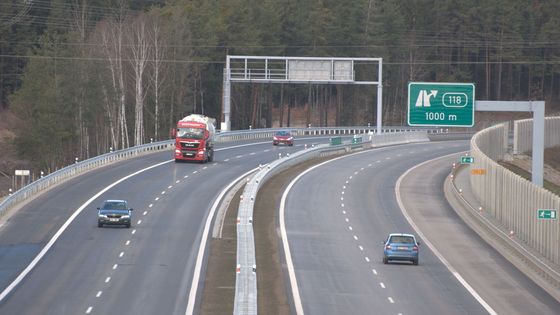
(284,137)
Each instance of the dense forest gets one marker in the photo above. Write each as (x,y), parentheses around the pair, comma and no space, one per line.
(81,76)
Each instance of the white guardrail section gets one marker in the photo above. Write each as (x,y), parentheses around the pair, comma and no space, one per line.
(76,169)
(523,134)
(246,270)
(79,168)
(512,200)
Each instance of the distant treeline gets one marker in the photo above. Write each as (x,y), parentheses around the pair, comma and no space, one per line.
(84,76)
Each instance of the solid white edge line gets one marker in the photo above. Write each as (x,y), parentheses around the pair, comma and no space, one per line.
(430,245)
(202,247)
(55,237)
(284,235)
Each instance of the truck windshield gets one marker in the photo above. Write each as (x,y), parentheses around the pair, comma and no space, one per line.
(190,133)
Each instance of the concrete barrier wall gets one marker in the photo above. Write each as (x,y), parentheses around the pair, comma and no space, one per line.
(511,199)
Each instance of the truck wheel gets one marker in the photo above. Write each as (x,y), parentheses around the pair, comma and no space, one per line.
(211,156)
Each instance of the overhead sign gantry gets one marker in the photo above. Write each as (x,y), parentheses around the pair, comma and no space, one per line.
(316,70)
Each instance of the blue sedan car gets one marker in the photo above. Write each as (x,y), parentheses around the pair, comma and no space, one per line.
(114,212)
(402,247)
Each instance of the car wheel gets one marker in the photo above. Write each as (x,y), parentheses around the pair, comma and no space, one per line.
(99,224)
(128,226)
(291,144)
(415,262)
(385,260)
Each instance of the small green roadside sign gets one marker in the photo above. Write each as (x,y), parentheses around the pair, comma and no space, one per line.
(467,160)
(547,214)
(336,140)
(441,104)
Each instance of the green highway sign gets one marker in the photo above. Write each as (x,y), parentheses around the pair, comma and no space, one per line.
(441,104)
(336,140)
(467,160)
(546,214)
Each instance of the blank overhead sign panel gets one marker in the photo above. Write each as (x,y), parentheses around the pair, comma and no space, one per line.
(320,70)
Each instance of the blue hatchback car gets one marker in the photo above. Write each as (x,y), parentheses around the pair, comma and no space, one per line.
(402,247)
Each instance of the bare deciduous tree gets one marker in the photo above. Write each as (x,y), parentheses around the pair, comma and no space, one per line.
(140,50)
(158,54)
(112,33)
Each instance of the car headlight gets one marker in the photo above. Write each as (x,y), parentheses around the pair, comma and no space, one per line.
(177,151)
(291,138)
(102,216)
(126,216)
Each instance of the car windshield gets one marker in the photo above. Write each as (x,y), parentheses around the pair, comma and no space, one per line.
(402,239)
(114,205)
(190,133)
(282,134)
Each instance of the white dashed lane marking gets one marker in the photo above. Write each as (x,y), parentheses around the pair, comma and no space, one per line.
(127,243)
(98,294)
(145,212)
(139,222)
(89,310)
(186,176)
(177,181)
(205,167)
(115,266)
(226,160)
(374,271)
(195,172)
(150,205)
(163,192)
(391,300)
(121,254)
(169,187)
(367,259)
(355,237)
(108,279)
(157,198)
(382,285)
(350,228)
(133,232)
(361,248)
(347,220)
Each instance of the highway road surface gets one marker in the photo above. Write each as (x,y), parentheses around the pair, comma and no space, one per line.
(338,214)
(147,269)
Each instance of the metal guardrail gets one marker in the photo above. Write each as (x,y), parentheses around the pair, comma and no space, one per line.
(267,133)
(246,271)
(79,168)
(511,199)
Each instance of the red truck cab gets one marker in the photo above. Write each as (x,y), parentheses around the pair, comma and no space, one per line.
(194,139)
